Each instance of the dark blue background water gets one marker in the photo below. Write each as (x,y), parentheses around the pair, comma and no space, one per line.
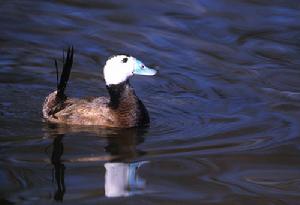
(225,107)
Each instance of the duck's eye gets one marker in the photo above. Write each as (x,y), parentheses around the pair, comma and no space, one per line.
(124,60)
(143,66)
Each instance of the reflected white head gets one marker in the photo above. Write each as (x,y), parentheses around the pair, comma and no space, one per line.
(119,68)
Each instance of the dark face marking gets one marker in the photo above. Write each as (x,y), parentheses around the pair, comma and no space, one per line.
(124,60)
(118,55)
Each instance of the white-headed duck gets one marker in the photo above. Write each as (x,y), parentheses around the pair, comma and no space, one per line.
(123,109)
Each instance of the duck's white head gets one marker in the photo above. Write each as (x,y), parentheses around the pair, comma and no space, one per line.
(121,67)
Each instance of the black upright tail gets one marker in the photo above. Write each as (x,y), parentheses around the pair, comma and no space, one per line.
(64,77)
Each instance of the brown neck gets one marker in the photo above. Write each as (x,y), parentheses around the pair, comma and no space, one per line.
(127,104)
(120,93)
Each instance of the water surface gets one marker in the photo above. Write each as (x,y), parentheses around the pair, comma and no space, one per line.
(224,109)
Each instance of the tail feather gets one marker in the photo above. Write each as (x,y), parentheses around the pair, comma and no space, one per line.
(67,66)
(54,102)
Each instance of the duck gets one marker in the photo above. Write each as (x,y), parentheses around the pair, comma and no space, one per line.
(122,109)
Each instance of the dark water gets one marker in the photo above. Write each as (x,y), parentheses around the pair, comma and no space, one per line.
(225,107)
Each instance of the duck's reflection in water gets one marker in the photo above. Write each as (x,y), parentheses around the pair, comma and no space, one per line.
(121,175)
(121,168)
(121,179)
(59,167)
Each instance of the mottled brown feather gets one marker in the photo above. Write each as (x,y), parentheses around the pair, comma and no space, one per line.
(130,111)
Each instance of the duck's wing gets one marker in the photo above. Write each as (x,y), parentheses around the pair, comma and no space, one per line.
(92,111)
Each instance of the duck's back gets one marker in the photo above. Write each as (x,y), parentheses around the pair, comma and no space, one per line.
(86,111)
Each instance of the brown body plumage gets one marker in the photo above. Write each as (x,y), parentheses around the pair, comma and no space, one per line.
(123,108)
(129,112)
